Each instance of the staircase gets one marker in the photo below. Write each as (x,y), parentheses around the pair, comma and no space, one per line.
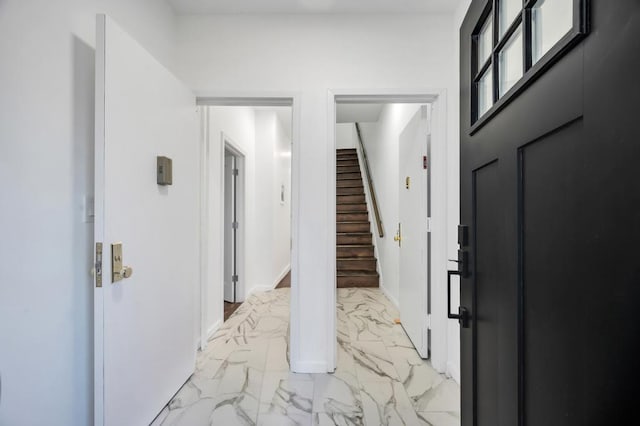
(356,263)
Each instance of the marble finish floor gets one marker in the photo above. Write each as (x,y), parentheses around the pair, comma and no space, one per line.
(243,377)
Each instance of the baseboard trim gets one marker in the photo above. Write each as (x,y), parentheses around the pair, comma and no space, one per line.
(390,297)
(283,274)
(253,289)
(258,288)
(309,367)
(453,371)
(211,331)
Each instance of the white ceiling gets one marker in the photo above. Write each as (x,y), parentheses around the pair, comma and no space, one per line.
(186,7)
(358,113)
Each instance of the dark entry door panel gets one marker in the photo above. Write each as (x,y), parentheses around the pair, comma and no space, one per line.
(493,328)
(555,338)
(550,191)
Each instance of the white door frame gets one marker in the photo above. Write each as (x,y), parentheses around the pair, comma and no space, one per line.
(227,144)
(253,99)
(438,100)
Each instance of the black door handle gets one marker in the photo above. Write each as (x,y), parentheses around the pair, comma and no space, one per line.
(463,314)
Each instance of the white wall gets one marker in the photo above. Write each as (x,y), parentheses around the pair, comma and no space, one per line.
(46,168)
(271,221)
(309,55)
(381,140)
(260,135)
(346,136)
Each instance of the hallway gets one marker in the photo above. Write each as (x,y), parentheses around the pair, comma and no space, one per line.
(230,308)
(243,376)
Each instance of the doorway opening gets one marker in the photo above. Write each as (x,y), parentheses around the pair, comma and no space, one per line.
(248,203)
(391,234)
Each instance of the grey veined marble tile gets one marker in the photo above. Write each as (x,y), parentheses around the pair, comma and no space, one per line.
(196,414)
(234,409)
(243,377)
(337,396)
(386,403)
(439,419)
(443,397)
(287,399)
(373,362)
(336,419)
(278,354)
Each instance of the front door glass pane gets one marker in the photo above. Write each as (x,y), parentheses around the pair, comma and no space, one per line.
(507,11)
(485,42)
(485,92)
(550,21)
(510,61)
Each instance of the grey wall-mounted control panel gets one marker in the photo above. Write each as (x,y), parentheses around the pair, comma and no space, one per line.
(165,171)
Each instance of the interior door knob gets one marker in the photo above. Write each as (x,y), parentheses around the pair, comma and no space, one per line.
(127,271)
(398,237)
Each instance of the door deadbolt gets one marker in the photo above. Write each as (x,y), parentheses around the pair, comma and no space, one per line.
(118,270)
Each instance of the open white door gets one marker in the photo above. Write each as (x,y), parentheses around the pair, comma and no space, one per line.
(145,333)
(414,242)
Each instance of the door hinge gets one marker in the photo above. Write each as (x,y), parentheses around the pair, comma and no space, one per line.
(234,278)
(428,224)
(429,321)
(234,172)
(235,225)
(98,265)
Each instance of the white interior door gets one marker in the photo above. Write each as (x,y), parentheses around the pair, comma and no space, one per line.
(230,270)
(414,243)
(145,330)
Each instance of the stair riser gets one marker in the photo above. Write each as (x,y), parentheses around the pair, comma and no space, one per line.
(345,150)
(350,208)
(351,252)
(365,281)
(349,183)
(355,190)
(356,265)
(348,169)
(343,176)
(353,239)
(352,217)
(350,159)
(350,199)
(353,227)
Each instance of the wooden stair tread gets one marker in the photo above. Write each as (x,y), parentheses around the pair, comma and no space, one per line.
(357,273)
